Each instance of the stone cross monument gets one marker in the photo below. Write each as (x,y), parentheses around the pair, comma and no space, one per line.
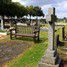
(50,59)
(51,18)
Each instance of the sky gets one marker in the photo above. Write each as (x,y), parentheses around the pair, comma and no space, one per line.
(60,5)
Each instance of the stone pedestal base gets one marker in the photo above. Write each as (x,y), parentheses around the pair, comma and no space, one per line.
(50,59)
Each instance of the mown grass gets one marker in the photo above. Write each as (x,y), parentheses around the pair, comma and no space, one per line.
(31,56)
(2,31)
(44,25)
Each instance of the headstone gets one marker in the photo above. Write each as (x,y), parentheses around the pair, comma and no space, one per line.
(36,21)
(63,33)
(15,17)
(1,23)
(51,18)
(50,57)
(64,19)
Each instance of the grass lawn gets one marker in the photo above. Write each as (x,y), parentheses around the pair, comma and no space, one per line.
(2,31)
(44,25)
(30,57)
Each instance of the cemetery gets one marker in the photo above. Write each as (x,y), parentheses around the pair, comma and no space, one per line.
(27,42)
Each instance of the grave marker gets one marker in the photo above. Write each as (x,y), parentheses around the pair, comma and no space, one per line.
(63,33)
(51,18)
(51,54)
(1,23)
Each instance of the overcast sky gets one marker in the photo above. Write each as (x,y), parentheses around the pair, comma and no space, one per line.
(60,5)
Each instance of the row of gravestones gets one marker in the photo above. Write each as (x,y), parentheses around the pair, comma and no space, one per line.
(15,18)
(64,35)
(51,57)
(2,22)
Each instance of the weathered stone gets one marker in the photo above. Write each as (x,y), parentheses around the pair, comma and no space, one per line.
(49,60)
(49,54)
(51,11)
(50,57)
(47,65)
(51,18)
(50,51)
(63,32)
(1,22)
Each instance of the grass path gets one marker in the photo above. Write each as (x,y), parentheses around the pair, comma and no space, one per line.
(31,56)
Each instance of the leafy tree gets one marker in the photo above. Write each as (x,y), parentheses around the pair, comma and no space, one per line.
(5,1)
(35,11)
(12,9)
(38,11)
(30,11)
(21,10)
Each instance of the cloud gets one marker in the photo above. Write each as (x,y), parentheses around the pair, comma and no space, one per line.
(41,2)
(23,3)
(61,15)
(60,5)
(16,0)
(61,8)
(45,6)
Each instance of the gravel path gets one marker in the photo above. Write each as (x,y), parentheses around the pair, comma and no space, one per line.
(2,36)
(9,49)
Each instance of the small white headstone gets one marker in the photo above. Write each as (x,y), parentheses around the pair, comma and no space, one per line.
(15,17)
(1,22)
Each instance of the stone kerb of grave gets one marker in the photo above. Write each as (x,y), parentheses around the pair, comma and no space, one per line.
(47,65)
(48,60)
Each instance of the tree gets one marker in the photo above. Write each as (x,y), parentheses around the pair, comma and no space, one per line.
(30,11)
(35,11)
(21,10)
(38,11)
(12,9)
(5,1)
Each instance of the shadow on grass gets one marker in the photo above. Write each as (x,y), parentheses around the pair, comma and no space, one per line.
(60,44)
(41,40)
